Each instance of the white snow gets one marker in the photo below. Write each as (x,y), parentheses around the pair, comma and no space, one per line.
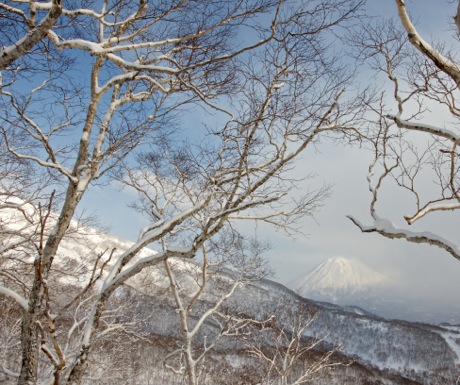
(17,297)
(452,338)
(384,224)
(337,274)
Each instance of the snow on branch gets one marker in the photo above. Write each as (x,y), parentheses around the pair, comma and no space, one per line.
(431,207)
(389,230)
(19,299)
(9,54)
(437,131)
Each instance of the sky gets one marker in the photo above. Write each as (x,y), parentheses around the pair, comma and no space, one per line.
(426,271)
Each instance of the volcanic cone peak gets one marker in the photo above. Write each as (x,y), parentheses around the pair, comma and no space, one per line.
(337,274)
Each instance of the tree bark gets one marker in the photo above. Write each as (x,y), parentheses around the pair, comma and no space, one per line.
(442,62)
(9,54)
(457,18)
(75,190)
(29,338)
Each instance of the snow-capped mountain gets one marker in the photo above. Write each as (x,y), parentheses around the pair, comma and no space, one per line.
(337,277)
(348,282)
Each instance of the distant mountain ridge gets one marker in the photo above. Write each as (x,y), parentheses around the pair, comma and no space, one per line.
(385,352)
(381,351)
(348,282)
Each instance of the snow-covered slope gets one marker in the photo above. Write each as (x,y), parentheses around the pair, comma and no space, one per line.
(415,352)
(420,352)
(384,352)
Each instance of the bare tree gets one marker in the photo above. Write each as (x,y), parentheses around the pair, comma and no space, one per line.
(91,83)
(289,354)
(200,297)
(415,142)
